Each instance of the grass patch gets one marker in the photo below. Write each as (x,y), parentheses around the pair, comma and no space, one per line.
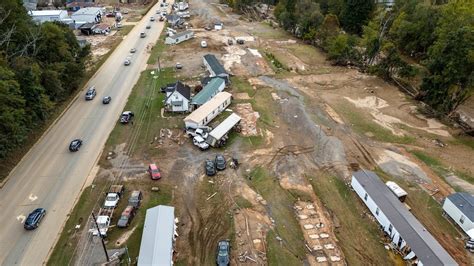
(465,140)
(309,55)
(280,208)
(364,125)
(243,202)
(277,254)
(65,247)
(240,85)
(157,50)
(358,236)
(440,169)
(275,63)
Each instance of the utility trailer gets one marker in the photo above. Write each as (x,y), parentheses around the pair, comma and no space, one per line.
(219,135)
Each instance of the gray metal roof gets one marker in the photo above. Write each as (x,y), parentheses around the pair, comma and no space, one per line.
(156,247)
(183,33)
(422,243)
(225,126)
(214,64)
(464,202)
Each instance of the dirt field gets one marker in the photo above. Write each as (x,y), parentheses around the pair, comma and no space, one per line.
(305,126)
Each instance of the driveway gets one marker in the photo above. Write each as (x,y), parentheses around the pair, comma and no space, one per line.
(50,176)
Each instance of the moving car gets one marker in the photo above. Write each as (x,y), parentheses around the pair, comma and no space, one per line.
(34,218)
(220,162)
(203,44)
(126,117)
(133,50)
(210,168)
(142,34)
(90,93)
(154,171)
(126,217)
(106,100)
(223,253)
(148,26)
(152,18)
(127,61)
(135,198)
(75,145)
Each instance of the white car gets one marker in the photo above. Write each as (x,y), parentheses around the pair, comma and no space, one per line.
(203,44)
(127,61)
(111,200)
(200,143)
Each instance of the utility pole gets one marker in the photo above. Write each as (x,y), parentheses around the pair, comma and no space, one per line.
(101,238)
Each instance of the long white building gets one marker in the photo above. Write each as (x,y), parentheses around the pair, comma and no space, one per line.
(404,230)
(208,111)
(460,207)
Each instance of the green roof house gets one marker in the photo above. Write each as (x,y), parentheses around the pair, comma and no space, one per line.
(212,88)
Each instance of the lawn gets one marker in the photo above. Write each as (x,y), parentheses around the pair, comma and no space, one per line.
(359,237)
(280,208)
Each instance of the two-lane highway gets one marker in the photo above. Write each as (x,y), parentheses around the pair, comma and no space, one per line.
(50,176)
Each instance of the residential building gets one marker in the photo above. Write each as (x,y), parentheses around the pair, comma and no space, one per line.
(214,86)
(101,28)
(174,20)
(158,237)
(88,15)
(208,111)
(179,37)
(405,231)
(41,16)
(178,97)
(460,207)
(218,135)
(215,68)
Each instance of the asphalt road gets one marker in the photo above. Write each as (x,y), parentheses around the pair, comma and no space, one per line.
(50,176)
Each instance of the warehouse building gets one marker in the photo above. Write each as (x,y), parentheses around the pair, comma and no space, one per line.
(41,16)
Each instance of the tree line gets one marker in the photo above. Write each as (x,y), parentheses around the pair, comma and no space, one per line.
(429,44)
(40,66)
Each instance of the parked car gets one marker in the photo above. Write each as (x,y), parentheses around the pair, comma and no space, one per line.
(152,18)
(90,93)
(34,218)
(220,162)
(203,44)
(133,50)
(127,61)
(106,100)
(126,217)
(230,42)
(75,145)
(148,26)
(210,167)
(135,198)
(126,117)
(142,34)
(200,143)
(240,41)
(162,18)
(208,28)
(154,171)
(113,196)
(223,253)
(179,66)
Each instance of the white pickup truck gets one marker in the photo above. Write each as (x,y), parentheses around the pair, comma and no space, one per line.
(103,221)
(113,196)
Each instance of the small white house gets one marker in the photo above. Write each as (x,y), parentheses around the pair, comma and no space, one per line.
(460,207)
(407,234)
(41,16)
(178,98)
(208,111)
(179,37)
(88,15)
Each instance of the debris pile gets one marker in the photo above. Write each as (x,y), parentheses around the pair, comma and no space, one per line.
(249,119)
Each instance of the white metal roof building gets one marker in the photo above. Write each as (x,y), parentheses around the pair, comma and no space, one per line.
(208,111)
(41,16)
(156,247)
(460,207)
(88,15)
(222,129)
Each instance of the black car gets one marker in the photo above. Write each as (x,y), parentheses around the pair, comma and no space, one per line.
(220,162)
(75,145)
(223,253)
(34,219)
(210,168)
(106,100)
(90,94)
(126,117)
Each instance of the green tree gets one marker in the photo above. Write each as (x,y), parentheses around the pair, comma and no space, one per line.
(355,14)
(341,49)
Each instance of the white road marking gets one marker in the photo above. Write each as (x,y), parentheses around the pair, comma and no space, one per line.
(21,218)
(32,197)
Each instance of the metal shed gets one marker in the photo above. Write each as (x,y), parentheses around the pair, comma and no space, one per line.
(157,243)
(216,135)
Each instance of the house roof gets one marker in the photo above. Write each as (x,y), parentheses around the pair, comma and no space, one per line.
(464,202)
(214,64)
(35,13)
(179,34)
(88,11)
(202,112)
(422,243)
(225,126)
(87,26)
(173,18)
(208,91)
(181,88)
(156,247)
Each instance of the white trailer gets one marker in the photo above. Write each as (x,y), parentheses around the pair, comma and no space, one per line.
(218,136)
(208,111)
